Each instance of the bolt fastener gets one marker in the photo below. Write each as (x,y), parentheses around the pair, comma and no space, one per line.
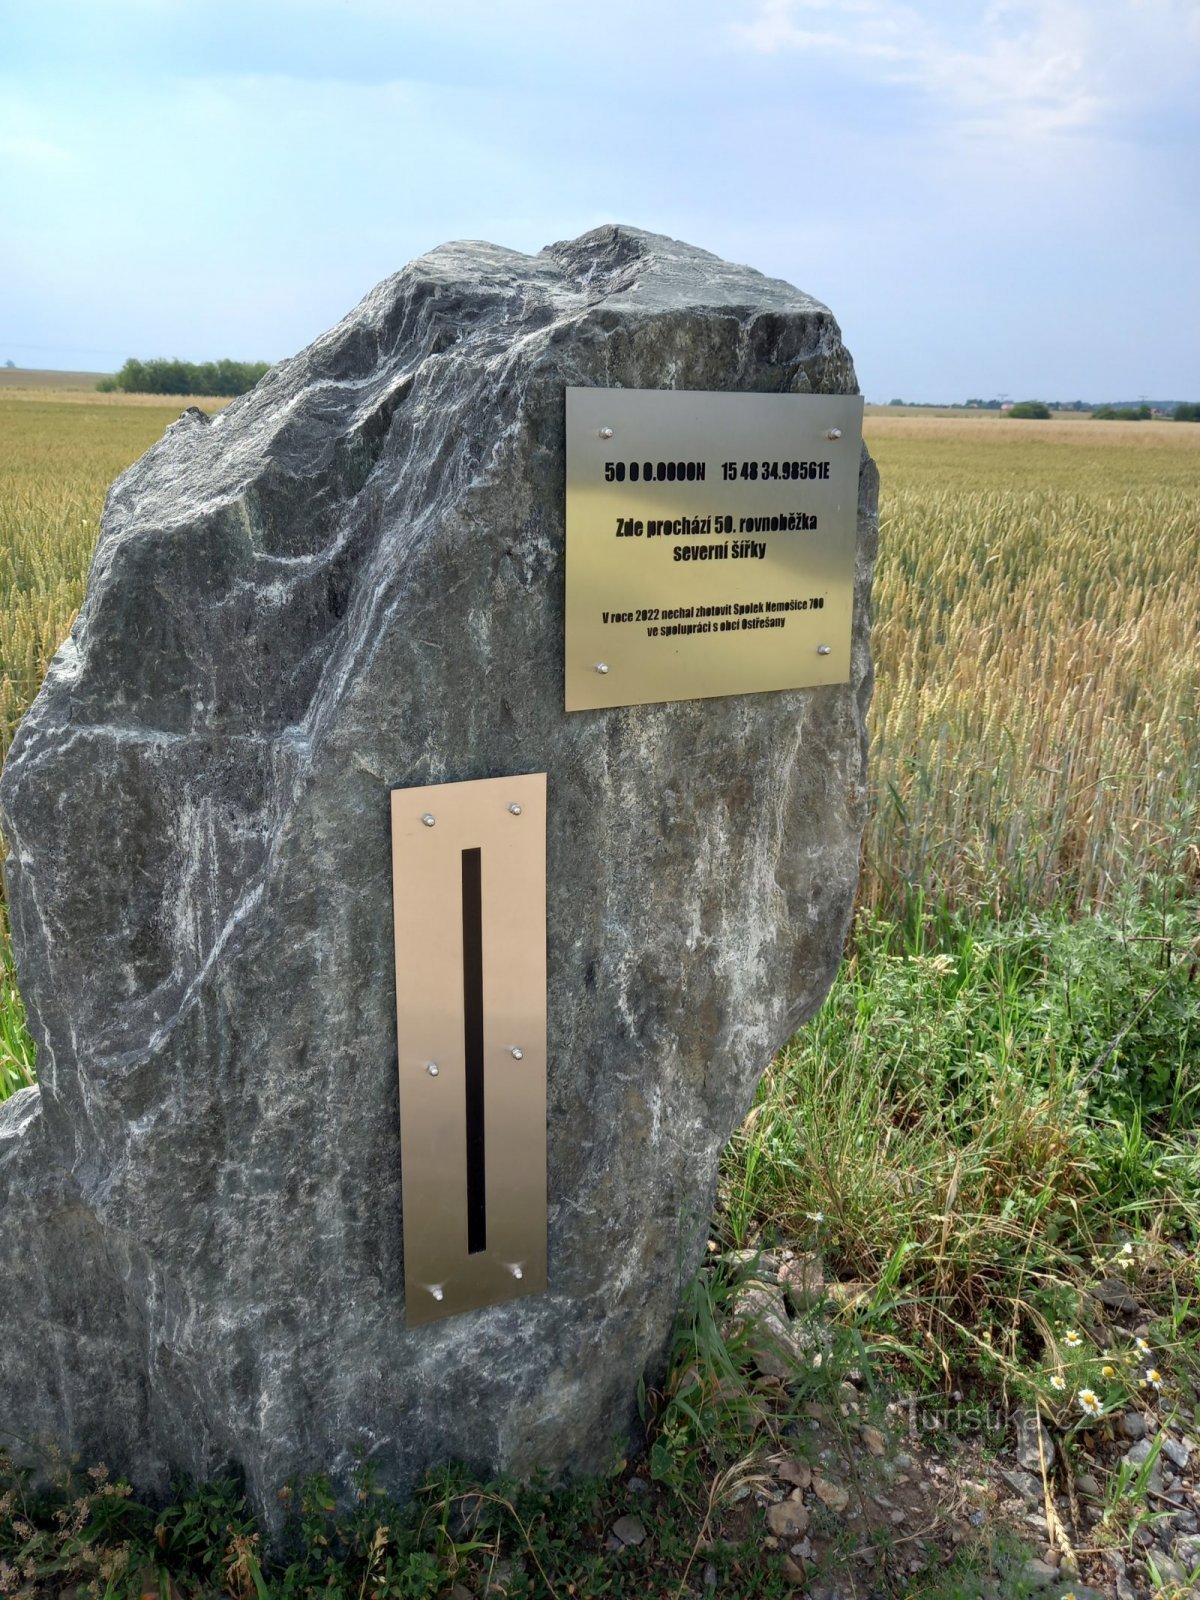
(602,667)
(515,809)
(516,1272)
(834,433)
(823,649)
(437,1293)
(432,1069)
(429,819)
(606,433)
(517,1053)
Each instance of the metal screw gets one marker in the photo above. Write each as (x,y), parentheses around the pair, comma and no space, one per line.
(602,667)
(432,1069)
(822,649)
(515,809)
(517,1053)
(436,1292)
(516,1272)
(606,433)
(834,433)
(429,819)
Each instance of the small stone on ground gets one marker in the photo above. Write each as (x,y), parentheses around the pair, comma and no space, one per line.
(629,1530)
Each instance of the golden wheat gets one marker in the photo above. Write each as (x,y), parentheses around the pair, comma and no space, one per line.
(58,455)
(1035,720)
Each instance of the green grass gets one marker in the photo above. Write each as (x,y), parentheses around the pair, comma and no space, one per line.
(980,1114)
(712,1426)
(16,1047)
(537,1541)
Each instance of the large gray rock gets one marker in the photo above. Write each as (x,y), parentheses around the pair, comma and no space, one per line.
(353,579)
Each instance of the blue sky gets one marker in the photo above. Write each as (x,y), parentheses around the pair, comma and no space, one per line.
(994,198)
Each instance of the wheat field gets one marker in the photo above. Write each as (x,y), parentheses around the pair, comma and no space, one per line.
(1035,728)
(1037,618)
(58,454)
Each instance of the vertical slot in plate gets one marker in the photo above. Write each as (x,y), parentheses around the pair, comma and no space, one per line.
(472,916)
(469,889)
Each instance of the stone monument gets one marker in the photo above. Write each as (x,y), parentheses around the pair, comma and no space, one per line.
(349,582)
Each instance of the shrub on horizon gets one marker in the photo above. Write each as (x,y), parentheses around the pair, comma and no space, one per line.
(163,376)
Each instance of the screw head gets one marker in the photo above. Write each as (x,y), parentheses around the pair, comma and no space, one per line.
(429,819)
(606,433)
(432,1068)
(436,1292)
(515,809)
(517,1053)
(834,433)
(601,667)
(823,649)
(516,1272)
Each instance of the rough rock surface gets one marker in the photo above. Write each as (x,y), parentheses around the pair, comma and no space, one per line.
(352,579)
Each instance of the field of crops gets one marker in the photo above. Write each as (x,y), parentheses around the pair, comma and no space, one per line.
(57,458)
(1037,615)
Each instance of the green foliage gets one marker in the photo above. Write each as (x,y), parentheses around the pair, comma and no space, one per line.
(163,376)
(1186,411)
(709,1421)
(16,1047)
(992,1566)
(193,1534)
(976,1108)
(1121,999)
(1122,414)
(84,1529)
(529,1542)
(1076,1385)
(1030,408)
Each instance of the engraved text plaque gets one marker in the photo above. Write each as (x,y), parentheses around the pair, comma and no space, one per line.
(710,543)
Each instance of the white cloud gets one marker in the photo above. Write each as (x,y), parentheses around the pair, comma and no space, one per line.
(28,151)
(1029,69)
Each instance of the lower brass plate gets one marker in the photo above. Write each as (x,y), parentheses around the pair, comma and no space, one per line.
(469,886)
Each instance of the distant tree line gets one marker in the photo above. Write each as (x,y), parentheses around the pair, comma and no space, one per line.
(1180,411)
(164,376)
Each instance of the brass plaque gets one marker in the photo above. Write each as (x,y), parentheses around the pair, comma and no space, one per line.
(710,543)
(469,888)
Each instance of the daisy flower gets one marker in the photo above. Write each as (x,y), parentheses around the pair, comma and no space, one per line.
(1058,1383)
(1153,1376)
(1142,1346)
(815,1216)
(1072,1339)
(1127,1248)
(1089,1402)
(1108,1372)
